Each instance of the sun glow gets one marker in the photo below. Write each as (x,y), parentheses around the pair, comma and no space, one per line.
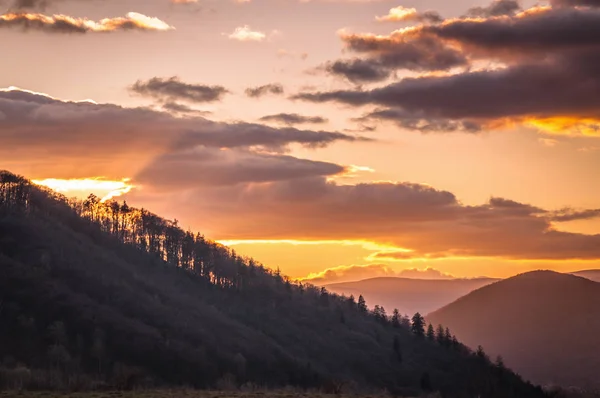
(107,189)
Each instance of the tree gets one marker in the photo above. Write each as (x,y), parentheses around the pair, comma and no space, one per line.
(396,318)
(447,337)
(396,348)
(440,335)
(480,353)
(430,333)
(418,325)
(362,304)
(500,362)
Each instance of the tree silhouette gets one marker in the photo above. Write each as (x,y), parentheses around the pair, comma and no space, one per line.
(396,318)
(430,333)
(397,349)
(362,304)
(418,325)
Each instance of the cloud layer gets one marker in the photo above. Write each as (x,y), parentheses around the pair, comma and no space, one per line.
(66,24)
(543,71)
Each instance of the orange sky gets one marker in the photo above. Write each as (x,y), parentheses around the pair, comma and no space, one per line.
(395,139)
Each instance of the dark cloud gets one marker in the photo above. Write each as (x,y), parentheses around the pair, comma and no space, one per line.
(575,3)
(257,92)
(532,36)
(173,89)
(71,25)
(22,4)
(412,51)
(47,136)
(546,72)
(496,9)
(206,167)
(358,70)
(422,222)
(564,88)
(294,118)
(181,109)
(574,215)
(420,121)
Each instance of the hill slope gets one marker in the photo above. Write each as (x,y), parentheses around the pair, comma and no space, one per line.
(591,274)
(544,324)
(99,293)
(410,295)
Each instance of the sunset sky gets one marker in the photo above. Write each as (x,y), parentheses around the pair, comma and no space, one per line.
(334,139)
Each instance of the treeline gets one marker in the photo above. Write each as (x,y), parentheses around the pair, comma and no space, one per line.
(99,294)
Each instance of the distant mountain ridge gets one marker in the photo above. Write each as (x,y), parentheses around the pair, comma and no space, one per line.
(546,325)
(424,295)
(591,274)
(410,295)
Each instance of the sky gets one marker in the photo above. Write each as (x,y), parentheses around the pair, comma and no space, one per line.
(334,139)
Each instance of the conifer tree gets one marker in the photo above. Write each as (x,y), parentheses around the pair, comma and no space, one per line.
(362,304)
(396,318)
(430,333)
(418,325)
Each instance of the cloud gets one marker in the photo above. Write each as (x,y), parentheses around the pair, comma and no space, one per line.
(351,273)
(495,9)
(66,24)
(427,273)
(402,14)
(202,166)
(384,55)
(245,33)
(490,72)
(180,109)
(420,221)
(43,136)
(358,70)
(260,91)
(294,118)
(173,89)
(569,214)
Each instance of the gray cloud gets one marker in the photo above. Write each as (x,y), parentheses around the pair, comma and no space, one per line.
(495,9)
(425,222)
(358,70)
(48,136)
(563,87)
(173,89)
(203,166)
(294,118)
(257,92)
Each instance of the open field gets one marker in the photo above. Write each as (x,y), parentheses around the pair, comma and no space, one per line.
(166,394)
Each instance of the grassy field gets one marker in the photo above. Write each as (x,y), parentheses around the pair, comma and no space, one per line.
(165,394)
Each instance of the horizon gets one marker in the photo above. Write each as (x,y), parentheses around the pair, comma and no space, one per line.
(331,150)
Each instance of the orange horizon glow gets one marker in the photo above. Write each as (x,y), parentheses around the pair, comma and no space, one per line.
(107,189)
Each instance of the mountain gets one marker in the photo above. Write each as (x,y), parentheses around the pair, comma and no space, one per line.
(103,295)
(591,274)
(544,324)
(410,295)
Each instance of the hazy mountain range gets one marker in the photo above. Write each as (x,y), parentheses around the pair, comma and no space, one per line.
(410,295)
(545,325)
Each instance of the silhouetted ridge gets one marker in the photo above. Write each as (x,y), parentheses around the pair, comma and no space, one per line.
(101,294)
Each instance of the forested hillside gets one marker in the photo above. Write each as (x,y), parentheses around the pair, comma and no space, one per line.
(99,295)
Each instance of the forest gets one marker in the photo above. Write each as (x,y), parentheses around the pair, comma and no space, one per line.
(99,295)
